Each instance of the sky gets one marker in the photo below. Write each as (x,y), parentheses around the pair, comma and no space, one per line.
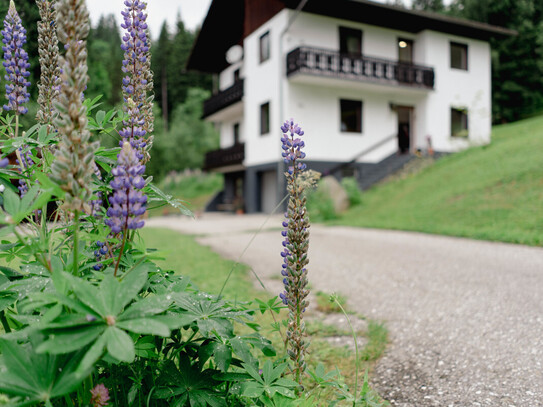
(192,12)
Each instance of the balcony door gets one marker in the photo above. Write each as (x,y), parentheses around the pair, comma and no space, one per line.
(350,41)
(405,128)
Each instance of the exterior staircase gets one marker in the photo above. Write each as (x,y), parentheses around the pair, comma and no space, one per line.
(370,174)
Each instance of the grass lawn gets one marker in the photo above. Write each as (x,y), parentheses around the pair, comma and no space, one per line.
(195,189)
(492,192)
(208,271)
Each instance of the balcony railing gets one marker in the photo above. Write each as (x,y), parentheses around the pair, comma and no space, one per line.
(223,99)
(225,157)
(333,64)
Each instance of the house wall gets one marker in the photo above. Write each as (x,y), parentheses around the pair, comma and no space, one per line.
(315,105)
(226,132)
(456,88)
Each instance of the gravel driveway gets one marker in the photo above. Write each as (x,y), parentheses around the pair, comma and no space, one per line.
(465,317)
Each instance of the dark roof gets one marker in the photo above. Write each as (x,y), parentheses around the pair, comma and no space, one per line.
(223,26)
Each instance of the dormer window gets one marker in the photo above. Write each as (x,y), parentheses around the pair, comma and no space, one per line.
(264,44)
(350,41)
(459,56)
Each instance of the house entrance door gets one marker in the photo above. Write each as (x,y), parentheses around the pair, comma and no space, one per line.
(405,119)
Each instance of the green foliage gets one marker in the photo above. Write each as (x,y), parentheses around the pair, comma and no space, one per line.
(490,192)
(320,205)
(350,185)
(188,139)
(326,305)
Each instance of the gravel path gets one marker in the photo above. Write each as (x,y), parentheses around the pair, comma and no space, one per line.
(465,317)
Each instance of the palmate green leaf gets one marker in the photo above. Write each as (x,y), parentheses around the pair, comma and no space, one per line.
(38,377)
(119,344)
(222,355)
(7,299)
(71,339)
(145,326)
(12,203)
(147,307)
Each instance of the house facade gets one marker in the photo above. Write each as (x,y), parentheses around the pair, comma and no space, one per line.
(369,83)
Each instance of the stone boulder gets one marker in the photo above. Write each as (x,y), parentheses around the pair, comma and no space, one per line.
(336,192)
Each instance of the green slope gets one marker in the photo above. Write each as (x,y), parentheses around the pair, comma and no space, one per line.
(493,192)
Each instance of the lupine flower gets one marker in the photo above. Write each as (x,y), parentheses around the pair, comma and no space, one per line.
(99,396)
(96,204)
(49,85)
(4,162)
(136,83)
(295,246)
(27,162)
(15,62)
(127,202)
(73,167)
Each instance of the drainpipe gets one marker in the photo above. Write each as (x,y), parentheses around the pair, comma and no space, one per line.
(282,79)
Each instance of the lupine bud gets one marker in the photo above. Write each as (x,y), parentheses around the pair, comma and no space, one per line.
(49,85)
(138,80)
(73,166)
(15,62)
(296,244)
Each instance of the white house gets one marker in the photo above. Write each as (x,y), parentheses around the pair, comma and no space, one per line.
(369,83)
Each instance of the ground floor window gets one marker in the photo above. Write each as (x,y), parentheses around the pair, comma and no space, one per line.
(459,122)
(351,116)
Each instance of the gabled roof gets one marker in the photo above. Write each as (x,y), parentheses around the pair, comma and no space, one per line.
(224,25)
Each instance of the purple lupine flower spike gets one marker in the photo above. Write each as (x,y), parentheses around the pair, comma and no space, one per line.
(295,246)
(15,62)
(128,204)
(136,52)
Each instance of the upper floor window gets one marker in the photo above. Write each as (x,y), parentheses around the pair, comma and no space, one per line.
(350,41)
(351,115)
(405,51)
(235,130)
(459,56)
(264,46)
(459,122)
(265,118)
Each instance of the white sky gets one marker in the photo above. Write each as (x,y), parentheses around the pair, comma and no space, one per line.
(192,12)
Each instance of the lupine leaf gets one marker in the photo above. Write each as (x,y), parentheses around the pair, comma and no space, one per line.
(145,326)
(70,340)
(120,345)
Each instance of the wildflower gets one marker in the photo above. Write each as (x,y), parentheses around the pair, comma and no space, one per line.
(127,202)
(15,62)
(26,162)
(138,79)
(49,85)
(4,162)
(295,246)
(100,396)
(73,167)
(96,204)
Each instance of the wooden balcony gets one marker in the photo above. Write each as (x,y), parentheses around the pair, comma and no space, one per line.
(225,157)
(223,99)
(332,64)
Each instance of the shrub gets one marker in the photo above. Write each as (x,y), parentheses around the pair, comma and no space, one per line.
(351,187)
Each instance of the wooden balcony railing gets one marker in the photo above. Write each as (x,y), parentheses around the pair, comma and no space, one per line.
(223,99)
(333,64)
(225,156)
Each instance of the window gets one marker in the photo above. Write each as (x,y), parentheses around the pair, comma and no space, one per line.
(459,122)
(237,75)
(350,41)
(459,56)
(265,118)
(405,51)
(235,131)
(351,116)
(265,46)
